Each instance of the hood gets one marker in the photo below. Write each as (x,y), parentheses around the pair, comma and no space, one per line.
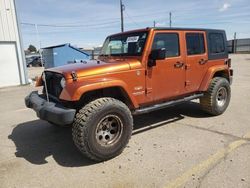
(96,67)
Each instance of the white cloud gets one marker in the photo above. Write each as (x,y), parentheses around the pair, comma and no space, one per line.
(224,7)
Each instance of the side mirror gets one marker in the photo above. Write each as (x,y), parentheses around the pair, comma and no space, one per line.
(157,54)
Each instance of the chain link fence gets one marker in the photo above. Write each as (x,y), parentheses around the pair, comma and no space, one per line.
(239,46)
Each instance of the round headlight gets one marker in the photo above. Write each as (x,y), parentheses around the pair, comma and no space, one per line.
(63,82)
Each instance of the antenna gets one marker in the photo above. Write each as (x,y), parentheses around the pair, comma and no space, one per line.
(170,19)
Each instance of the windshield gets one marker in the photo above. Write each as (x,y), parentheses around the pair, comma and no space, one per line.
(131,44)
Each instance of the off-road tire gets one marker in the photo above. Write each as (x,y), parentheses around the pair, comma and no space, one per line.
(85,127)
(210,102)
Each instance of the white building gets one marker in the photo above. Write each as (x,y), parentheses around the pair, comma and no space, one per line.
(12,62)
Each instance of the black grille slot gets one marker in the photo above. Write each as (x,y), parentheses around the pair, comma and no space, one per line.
(53,83)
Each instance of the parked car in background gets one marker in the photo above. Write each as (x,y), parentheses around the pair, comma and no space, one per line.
(34,61)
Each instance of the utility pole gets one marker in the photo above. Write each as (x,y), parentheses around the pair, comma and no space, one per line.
(234,45)
(122,8)
(154,23)
(41,56)
(39,43)
(170,19)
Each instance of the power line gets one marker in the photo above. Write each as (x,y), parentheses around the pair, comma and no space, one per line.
(65,26)
(79,30)
(158,11)
(131,19)
(141,15)
(106,25)
(211,23)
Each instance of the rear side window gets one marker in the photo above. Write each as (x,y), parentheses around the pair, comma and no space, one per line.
(216,41)
(169,41)
(195,43)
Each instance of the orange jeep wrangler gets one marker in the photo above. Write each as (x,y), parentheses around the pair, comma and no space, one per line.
(137,72)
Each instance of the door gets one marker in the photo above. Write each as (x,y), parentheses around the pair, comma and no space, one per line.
(9,65)
(167,78)
(196,60)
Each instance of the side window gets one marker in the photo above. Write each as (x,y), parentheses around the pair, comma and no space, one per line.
(195,43)
(216,41)
(169,41)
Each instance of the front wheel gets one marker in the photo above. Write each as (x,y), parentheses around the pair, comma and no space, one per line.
(102,128)
(217,97)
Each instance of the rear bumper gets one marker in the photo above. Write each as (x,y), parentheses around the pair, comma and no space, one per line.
(49,111)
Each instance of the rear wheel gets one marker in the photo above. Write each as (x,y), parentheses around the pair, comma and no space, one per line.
(102,128)
(217,97)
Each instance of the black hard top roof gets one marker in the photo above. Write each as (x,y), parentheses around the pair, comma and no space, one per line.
(184,29)
(170,28)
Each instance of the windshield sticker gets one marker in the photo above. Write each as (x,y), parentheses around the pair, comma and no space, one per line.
(133,39)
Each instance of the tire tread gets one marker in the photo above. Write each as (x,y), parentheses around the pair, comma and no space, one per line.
(207,100)
(80,125)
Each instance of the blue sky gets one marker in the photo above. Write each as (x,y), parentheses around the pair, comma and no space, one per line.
(86,23)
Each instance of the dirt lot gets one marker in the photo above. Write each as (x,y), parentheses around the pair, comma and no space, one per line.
(176,147)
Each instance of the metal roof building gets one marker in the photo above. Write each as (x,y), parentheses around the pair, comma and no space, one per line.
(12,63)
(59,55)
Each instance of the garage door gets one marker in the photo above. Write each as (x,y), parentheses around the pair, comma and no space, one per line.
(9,74)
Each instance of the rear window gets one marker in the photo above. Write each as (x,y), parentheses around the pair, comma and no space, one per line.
(195,43)
(217,44)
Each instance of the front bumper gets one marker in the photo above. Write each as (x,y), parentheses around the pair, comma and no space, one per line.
(49,111)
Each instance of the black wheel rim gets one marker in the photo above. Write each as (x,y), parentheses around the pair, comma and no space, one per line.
(109,130)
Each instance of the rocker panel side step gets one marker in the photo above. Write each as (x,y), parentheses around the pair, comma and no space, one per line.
(165,104)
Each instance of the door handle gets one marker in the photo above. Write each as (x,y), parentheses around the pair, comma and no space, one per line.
(178,64)
(202,61)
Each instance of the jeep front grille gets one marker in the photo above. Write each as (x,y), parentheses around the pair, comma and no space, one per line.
(53,83)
